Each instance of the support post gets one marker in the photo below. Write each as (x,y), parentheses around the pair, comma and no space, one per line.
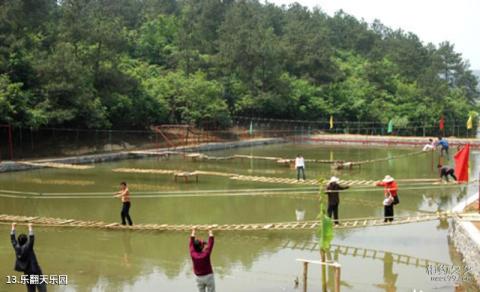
(10,141)
(479,192)
(337,278)
(305,276)
(324,270)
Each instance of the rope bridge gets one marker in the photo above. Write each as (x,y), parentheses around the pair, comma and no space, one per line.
(297,225)
(264,179)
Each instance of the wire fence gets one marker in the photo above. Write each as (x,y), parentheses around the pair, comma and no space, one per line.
(27,143)
(415,128)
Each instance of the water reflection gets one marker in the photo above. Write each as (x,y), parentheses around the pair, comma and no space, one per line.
(116,261)
(389,277)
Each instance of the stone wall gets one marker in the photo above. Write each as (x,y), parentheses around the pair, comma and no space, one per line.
(466,238)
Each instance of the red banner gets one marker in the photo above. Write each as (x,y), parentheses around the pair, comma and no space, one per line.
(442,123)
(461,163)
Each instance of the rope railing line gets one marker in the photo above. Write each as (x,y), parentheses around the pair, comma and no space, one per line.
(219,193)
(353,163)
(177,192)
(421,182)
(355,201)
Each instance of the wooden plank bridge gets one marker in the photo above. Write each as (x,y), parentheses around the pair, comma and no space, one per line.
(296,225)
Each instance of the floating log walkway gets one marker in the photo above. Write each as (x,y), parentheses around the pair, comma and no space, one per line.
(297,225)
(56,165)
(348,165)
(365,253)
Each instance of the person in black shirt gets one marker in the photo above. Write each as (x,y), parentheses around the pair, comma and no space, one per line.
(26,260)
(446,171)
(333,197)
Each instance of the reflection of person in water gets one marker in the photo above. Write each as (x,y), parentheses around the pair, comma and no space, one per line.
(127,246)
(389,277)
(300,214)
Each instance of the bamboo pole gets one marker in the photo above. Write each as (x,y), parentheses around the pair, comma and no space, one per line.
(324,271)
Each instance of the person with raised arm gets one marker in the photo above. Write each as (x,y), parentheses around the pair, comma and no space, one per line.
(26,260)
(200,251)
(333,187)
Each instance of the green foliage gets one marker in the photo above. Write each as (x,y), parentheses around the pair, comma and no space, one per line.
(325,229)
(130,64)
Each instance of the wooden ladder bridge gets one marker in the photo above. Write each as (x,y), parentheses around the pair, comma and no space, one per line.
(296,225)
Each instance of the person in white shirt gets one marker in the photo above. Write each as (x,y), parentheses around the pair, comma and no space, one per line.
(430,146)
(300,166)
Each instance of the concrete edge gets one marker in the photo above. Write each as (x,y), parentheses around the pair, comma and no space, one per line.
(466,238)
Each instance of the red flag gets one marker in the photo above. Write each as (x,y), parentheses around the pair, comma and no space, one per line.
(461,163)
(442,123)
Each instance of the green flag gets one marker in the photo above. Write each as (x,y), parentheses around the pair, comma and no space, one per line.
(325,232)
(325,228)
(390,127)
(250,130)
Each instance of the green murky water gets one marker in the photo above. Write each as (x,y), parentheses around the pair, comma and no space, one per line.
(254,261)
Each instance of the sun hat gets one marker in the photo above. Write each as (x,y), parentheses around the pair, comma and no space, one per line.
(388,179)
(334,179)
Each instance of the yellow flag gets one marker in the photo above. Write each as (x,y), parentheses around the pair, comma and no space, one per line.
(331,122)
(469,123)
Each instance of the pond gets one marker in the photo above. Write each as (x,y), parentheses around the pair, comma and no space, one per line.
(248,261)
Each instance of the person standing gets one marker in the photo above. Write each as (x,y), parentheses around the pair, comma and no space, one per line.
(446,171)
(333,197)
(202,266)
(443,143)
(26,260)
(124,195)
(300,166)
(391,196)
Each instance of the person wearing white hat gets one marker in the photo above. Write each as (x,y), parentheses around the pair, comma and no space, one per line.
(391,196)
(333,188)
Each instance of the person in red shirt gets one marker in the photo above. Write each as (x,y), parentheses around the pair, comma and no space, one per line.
(391,196)
(202,266)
